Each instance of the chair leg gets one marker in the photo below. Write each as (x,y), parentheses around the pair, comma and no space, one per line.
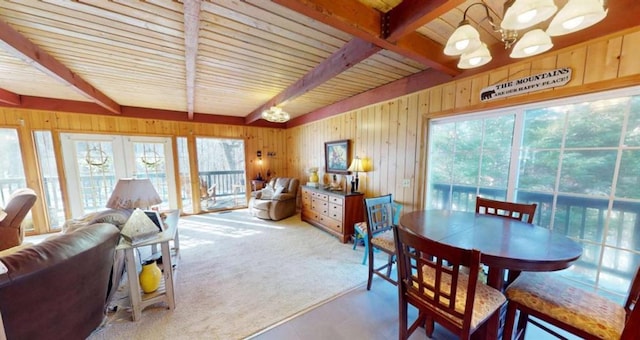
(366,251)
(509,321)
(370,252)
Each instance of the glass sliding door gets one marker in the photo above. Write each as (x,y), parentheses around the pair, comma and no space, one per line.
(12,175)
(221,168)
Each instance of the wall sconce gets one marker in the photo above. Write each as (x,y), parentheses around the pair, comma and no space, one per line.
(520,15)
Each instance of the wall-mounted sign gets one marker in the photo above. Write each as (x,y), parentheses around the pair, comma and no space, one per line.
(528,84)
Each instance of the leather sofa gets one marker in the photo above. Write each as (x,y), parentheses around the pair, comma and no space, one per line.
(57,289)
(277,200)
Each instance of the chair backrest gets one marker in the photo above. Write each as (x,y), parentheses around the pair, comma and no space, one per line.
(424,265)
(516,211)
(379,214)
(19,204)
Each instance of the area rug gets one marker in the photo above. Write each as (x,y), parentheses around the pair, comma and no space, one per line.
(238,275)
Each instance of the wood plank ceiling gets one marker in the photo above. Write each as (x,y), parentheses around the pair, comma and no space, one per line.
(231,59)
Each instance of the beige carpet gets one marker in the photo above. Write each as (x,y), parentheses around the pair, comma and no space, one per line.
(238,275)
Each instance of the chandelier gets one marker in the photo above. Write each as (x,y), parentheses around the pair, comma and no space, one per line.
(275,114)
(520,15)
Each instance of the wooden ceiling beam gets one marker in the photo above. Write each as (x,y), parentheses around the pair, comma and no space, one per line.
(410,15)
(18,45)
(366,23)
(349,55)
(191,30)
(9,97)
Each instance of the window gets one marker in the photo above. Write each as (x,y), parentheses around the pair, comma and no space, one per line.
(578,159)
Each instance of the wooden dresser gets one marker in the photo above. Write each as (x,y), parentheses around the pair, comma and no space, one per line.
(332,211)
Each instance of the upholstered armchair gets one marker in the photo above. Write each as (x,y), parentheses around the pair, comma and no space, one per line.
(276,201)
(19,204)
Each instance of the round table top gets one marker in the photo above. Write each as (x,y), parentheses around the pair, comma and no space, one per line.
(504,242)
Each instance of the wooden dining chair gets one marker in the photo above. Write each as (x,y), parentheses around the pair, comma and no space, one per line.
(379,236)
(516,211)
(580,312)
(431,277)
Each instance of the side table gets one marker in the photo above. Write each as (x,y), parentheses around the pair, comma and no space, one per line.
(165,293)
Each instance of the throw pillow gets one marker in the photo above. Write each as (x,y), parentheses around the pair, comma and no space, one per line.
(278,190)
(267,193)
(282,182)
(2,214)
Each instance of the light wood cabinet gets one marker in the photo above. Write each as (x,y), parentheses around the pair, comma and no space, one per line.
(331,211)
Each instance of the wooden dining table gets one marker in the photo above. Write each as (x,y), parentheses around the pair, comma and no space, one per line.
(506,244)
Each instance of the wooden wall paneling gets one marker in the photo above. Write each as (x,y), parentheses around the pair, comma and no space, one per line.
(395,110)
(403,154)
(463,93)
(435,99)
(388,144)
(629,61)
(377,150)
(477,84)
(411,133)
(449,96)
(499,76)
(574,58)
(603,60)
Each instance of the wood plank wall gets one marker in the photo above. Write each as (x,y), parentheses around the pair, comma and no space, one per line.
(27,121)
(393,133)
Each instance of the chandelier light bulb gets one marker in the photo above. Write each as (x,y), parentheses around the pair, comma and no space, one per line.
(573,23)
(527,16)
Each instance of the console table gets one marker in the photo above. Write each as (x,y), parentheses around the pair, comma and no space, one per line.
(332,211)
(140,300)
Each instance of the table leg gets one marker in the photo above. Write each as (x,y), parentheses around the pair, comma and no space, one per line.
(168,274)
(134,284)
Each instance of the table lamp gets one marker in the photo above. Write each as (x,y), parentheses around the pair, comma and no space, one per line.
(131,193)
(356,166)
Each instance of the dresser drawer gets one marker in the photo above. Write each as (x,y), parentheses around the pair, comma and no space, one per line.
(335,211)
(336,200)
(320,206)
(319,196)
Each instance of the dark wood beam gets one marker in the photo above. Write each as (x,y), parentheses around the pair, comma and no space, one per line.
(413,83)
(8,97)
(366,23)
(349,55)
(191,29)
(410,15)
(18,45)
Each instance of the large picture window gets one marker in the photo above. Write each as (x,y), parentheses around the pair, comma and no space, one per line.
(578,159)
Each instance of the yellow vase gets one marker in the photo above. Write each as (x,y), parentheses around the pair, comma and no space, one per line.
(314,177)
(150,276)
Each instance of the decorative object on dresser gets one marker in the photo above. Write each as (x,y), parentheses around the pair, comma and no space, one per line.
(313,177)
(332,211)
(337,155)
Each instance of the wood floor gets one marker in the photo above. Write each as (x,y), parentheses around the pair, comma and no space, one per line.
(361,314)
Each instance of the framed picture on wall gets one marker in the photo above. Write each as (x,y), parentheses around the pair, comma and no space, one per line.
(337,155)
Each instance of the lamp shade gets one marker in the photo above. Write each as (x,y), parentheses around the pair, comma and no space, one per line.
(576,15)
(131,193)
(357,165)
(476,58)
(526,13)
(532,43)
(464,38)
